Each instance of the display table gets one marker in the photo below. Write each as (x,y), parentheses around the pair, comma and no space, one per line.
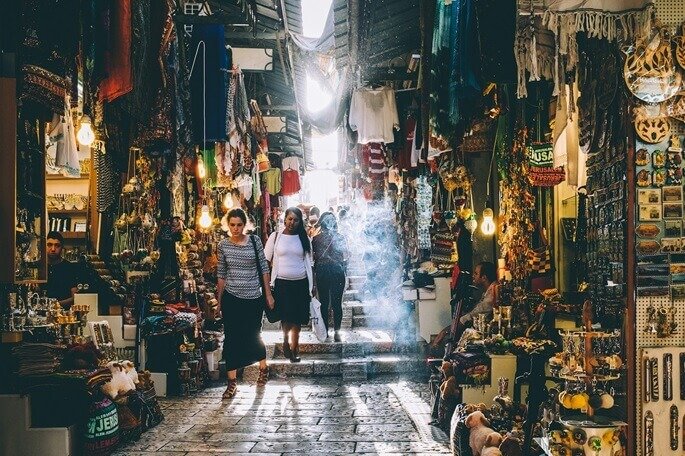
(434,314)
(500,366)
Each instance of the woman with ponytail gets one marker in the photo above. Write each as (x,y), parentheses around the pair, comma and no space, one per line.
(290,253)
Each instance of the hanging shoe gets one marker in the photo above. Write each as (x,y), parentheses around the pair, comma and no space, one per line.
(263,376)
(336,337)
(231,389)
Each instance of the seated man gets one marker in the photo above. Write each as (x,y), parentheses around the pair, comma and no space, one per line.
(485,278)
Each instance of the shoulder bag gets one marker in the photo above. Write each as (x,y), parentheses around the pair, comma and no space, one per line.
(273,315)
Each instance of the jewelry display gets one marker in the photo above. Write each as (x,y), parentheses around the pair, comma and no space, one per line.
(654,372)
(649,434)
(668,376)
(674,427)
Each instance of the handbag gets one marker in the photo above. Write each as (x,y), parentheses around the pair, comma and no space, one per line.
(273,315)
(540,258)
(318,325)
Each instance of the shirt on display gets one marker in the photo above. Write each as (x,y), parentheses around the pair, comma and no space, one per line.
(272,180)
(373,114)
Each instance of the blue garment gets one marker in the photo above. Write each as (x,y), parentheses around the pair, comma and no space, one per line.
(209,106)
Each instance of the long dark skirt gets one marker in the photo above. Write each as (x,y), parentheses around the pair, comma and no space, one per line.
(292,300)
(243,344)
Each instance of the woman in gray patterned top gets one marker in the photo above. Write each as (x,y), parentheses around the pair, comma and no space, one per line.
(242,293)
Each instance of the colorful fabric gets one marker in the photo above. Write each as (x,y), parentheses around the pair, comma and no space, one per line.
(272,180)
(238,267)
(119,80)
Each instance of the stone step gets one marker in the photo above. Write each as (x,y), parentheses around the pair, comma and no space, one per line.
(354,344)
(352,295)
(331,365)
(373,322)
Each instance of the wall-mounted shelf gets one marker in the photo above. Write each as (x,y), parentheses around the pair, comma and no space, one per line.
(67,212)
(73,234)
(60,177)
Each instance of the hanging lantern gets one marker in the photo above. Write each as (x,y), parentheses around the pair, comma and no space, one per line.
(205,217)
(201,169)
(471,225)
(85,134)
(488,225)
(228,201)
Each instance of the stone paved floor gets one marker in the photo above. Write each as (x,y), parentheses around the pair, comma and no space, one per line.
(388,415)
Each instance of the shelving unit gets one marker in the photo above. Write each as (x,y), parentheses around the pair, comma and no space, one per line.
(68,212)
(60,177)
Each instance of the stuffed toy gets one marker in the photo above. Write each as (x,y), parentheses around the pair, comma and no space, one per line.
(130,370)
(449,388)
(120,383)
(510,446)
(480,432)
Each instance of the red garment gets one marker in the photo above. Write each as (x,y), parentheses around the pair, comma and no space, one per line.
(119,80)
(290,182)
(404,158)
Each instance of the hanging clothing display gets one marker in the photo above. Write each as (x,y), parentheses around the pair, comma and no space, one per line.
(209,64)
(291,182)
(374,153)
(119,80)
(272,180)
(63,134)
(373,114)
(404,159)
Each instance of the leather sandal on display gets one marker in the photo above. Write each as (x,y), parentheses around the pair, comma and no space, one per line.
(231,389)
(287,353)
(263,376)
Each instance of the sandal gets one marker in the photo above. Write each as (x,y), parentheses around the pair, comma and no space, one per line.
(263,376)
(231,389)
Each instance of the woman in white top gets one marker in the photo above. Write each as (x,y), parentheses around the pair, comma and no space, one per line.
(290,253)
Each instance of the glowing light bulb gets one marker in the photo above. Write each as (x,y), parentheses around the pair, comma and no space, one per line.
(205,217)
(85,134)
(228,201)
(488,225)
(201,169)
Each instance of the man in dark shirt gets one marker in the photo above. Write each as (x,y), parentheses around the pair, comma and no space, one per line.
(62,274)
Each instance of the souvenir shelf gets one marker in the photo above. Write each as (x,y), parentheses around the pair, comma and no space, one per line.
(22,193)
(589,358)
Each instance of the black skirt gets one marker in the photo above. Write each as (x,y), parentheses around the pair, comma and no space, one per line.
(242,318)
(292,300)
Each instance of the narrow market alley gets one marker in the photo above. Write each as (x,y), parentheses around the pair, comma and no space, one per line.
(304,416)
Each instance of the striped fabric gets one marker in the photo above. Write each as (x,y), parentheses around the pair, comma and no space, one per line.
(237,265)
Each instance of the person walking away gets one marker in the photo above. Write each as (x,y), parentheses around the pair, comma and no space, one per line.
(330,257)
(290,253)
(242,293)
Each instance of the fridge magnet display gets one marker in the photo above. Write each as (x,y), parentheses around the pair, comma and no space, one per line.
(678,258)
(673,211)
(648,247)
(678,279)
(652,281)
(642,157)
(649,196)
(672,194)
(671,245)
(677,292)
(648,230)
(658,259)
(644,178)
(674,176)
(650,212)
(653,270)
(673,159)
(677,268)
(658,159)
(675,144)
(659,177)
(653,291)
(673,228)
